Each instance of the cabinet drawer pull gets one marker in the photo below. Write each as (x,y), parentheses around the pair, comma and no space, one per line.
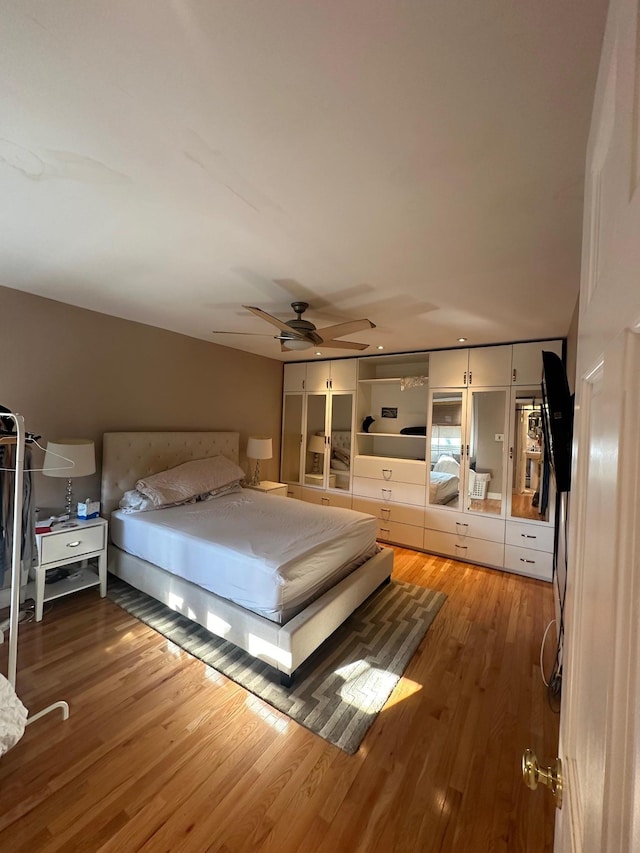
(471,377)
(387,472)
(464,547)
(528,536)
(461,524)
(74,544)
(522,560)
(515,373)
(386,509)
(325,501)
(385,530)
(386,494)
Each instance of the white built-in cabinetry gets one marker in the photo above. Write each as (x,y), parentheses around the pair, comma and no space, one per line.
(479,407)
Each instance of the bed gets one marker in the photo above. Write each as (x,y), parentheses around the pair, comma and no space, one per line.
(280,629)
(444,480)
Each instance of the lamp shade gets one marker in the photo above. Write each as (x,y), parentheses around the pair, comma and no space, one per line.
(259,447)
(79,451)
(316,444)
(296,344)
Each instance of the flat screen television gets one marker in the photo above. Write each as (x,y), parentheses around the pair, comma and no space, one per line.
(557,419)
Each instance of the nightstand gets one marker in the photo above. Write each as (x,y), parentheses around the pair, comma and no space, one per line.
(318,480)
(270,488)
(74,541)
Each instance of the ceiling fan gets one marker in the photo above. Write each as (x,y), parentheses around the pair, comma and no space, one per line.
(299,334)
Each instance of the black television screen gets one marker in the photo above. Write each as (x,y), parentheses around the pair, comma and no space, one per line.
(557,419)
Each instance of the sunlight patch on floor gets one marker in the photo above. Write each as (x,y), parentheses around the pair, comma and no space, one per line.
(267,713)
(364,683)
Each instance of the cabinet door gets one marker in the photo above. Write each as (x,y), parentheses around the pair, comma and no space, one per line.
(315,440)
(318,375)
(527,361)
(292,433)
(489,366)
(343,375)
(446,436)
(341,406)
(485,451)
(448,368)
(294,377)
(531,493)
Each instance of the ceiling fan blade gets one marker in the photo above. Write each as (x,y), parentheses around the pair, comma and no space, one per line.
(274,321)
(343,345)
(348,328)
(253,334)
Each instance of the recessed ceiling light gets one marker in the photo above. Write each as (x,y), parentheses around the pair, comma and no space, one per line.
(380,347)
(461,340)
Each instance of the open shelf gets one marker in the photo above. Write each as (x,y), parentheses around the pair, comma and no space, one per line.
(83,579)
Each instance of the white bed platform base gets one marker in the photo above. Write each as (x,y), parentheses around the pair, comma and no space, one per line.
(128,456)
(284,647)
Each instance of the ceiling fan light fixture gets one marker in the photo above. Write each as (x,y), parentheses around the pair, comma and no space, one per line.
(297,344)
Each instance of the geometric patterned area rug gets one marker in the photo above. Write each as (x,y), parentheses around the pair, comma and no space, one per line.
(341,687)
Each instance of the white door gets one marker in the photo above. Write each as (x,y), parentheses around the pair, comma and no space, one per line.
(600,715)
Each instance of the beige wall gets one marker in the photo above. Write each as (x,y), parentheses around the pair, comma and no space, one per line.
(77,373)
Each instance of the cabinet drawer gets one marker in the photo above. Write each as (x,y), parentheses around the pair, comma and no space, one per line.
(400,534)
(393,470)
(533,536)
(464,524)
(407,493)
(526,561)
(76,542)
(390,512)
(466,549)
(315,496)
(294,491)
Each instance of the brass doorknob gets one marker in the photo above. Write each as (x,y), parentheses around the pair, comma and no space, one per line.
(533,774)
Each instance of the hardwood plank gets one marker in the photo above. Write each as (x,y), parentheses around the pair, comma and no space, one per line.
(162,753)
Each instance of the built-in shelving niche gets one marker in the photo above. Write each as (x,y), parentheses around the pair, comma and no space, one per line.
(394,391)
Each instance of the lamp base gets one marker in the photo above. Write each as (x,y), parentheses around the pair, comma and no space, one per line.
(255,479)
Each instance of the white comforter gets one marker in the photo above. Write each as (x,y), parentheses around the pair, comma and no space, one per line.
(269,554)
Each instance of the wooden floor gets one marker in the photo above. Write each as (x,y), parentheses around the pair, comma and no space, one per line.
(162,754)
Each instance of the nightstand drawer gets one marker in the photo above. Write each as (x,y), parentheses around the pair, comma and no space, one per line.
(75,542)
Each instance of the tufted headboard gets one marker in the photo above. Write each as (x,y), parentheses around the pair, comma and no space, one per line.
(128,456)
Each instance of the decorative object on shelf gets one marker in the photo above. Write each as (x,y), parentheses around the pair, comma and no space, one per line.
(366,423)
(412,382)
(316,446)
(67,458)
(417,430)
(258,447)
(389,412)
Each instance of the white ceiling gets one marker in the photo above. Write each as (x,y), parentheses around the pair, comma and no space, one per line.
(419,163)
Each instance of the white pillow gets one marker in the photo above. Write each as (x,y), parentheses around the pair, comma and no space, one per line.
(189,480)
(448,465)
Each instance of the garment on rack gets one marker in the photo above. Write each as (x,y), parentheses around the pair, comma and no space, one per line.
(7,487)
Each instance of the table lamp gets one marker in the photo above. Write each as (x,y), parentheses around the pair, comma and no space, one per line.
(316,446)
(67,458)
(258,447)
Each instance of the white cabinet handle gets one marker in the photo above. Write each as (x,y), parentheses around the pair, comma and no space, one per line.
(74,544)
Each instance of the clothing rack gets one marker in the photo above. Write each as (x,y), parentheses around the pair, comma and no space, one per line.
(19,441)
